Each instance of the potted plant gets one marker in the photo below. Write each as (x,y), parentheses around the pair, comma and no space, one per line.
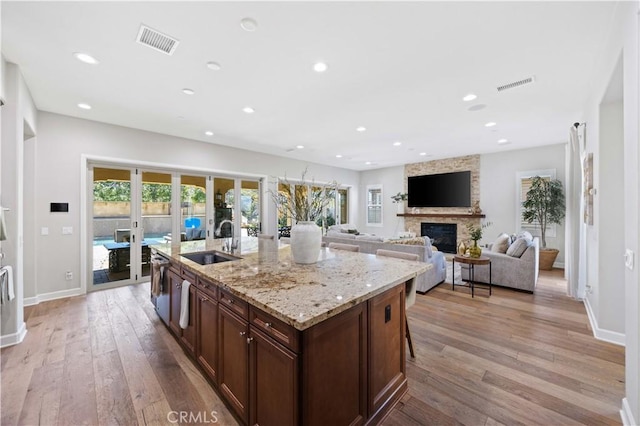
(400,198)
(544,205)
(475,233)
(305,204)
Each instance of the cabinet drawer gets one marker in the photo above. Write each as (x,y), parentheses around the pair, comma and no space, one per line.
(189,276)
(275,328)
(208,288)
(235,304)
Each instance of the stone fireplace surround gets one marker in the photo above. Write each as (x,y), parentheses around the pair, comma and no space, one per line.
(461,216)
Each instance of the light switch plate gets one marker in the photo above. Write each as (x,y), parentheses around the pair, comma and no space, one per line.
(44,231)
(629,256)
(67,230)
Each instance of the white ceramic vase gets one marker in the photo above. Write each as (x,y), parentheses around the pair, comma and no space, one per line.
(306,238)
(400,207)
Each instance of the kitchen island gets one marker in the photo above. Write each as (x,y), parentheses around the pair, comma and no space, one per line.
(289,344)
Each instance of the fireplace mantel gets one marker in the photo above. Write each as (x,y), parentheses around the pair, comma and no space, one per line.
(465,215)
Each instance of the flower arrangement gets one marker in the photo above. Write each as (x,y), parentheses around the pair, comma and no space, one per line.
(476,232)
(304,201)
(399,197)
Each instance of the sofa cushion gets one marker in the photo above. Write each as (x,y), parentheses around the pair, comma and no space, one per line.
(501,244)
(369,238)
(518,247)
(526,235)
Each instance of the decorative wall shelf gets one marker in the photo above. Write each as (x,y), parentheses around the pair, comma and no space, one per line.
(463,215)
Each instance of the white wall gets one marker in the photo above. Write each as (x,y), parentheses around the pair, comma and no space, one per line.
(392,181)
(623,40)
(18,113)
(63,140)
(498,188)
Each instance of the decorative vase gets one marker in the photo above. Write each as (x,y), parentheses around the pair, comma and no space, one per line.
(462,249)
(306,238)
(475,250)
(400,207)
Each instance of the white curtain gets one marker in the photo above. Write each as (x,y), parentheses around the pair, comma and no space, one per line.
(575,242)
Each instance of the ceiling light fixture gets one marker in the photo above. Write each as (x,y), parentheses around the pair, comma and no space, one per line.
(469,97)
(397,143)
(361,129)
(188,91)
(86,58)
(248,24)
(84,106)
(367,162)
(248,110)
(320,67)
(490,124)
(423,153)
(208,133)
(503,141)
(338,155)
(213,66)
(300,146)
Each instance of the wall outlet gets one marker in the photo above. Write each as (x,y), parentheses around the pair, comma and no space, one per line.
(67,230)
(69,275)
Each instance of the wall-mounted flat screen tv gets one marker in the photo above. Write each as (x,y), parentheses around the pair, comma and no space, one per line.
(440,190)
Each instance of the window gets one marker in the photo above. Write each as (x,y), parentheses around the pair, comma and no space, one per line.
(374,205)
(523,183)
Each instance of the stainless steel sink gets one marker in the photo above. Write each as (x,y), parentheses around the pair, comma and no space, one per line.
(209,257)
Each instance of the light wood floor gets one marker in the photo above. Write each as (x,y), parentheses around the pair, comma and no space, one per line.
(513,358)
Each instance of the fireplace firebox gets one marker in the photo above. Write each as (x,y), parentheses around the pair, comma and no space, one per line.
(442,235)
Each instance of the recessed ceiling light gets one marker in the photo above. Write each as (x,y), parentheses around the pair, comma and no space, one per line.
(361,129)
(367,162)
(320,67)
(87,59)
(188,91)
(338,155)
(213,66)
(248,110)
(423,153)
(84,106)
(503,141)
(469,97)
(397,143)
(208,133)
(248,24)
(300,146)
(490,124)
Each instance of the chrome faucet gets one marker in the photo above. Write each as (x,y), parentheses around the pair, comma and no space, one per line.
(218,232)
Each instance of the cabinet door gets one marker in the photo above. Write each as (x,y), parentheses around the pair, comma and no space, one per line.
(189,333)
(273,382)
(233,368)
(207,339)
(175,298)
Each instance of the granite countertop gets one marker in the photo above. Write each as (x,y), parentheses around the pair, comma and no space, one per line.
(300,295)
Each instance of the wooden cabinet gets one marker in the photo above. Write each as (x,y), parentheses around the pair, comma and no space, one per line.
(207,334)
(189,334)
(175,299)
(273,382)
(233,363)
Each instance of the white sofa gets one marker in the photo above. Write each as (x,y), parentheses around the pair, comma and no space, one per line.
(371,244)
(520,273)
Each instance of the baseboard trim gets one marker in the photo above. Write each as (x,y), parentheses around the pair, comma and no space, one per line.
(14,338)
(602,334)
(30,301)
(626,415)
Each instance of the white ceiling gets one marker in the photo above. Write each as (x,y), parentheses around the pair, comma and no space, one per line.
(399,69)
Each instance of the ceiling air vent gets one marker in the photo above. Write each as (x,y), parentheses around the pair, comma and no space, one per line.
(156,40)
(518,83)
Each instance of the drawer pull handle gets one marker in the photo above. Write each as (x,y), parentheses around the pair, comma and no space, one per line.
(267,324)
(249,339)
(242,333)
(230,301)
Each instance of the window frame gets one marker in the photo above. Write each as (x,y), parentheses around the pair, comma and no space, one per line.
(369,206)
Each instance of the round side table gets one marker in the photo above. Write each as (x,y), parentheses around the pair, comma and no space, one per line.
(472,262)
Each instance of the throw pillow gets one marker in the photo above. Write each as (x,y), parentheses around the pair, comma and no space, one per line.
(501,244)
(417,241)
(525,234)
(518,247)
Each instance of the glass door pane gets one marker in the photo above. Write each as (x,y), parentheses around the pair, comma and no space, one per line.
(223,207)
(111,225)
(156,214)
(250,210)
(193,198)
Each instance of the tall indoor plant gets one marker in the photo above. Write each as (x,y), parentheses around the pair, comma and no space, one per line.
(305,204)
(545,205)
